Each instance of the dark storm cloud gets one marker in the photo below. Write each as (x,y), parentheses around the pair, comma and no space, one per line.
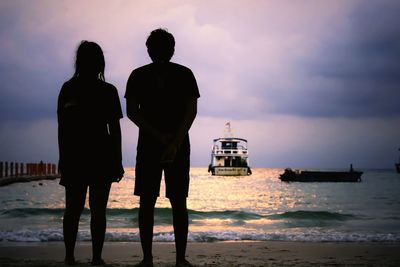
(355,73)
(28,94)
(30,68)
(351,69)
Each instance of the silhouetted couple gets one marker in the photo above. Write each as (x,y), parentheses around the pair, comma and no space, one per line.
(161,100)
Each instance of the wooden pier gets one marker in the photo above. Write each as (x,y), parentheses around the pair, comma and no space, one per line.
(16,172)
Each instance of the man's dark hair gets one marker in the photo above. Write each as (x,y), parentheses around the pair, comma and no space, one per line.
(160,45)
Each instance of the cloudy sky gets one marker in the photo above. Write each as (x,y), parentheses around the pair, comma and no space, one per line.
(308,83)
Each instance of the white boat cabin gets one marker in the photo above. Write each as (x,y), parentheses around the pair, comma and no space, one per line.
(229,156)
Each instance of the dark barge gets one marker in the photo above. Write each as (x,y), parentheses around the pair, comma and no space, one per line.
(320,176)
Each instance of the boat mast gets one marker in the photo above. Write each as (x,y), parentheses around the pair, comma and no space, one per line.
(228,132)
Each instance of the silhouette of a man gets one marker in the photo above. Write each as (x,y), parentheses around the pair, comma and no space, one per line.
(162,101)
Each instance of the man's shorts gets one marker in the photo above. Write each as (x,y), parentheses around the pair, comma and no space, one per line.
(149,172)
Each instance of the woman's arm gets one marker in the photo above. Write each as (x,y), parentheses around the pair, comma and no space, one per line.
(61,134)
(115,134)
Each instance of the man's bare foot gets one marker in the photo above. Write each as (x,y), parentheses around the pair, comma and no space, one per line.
(97,262)
(183,263)
(144,264)
(70,261)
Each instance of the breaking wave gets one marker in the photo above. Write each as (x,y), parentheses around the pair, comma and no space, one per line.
(308,236)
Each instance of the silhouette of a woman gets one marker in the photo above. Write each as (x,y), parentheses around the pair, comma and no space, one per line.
(89,138)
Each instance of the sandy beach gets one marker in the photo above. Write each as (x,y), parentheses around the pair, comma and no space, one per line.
(212,254)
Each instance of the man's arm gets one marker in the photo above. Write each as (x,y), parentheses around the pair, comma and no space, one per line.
(191,112)
(133,112)
(190,115)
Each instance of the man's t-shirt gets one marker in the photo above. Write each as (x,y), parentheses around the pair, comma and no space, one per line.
(85,108)
(162,91)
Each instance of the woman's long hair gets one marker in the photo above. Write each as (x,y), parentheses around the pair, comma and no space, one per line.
(89,60)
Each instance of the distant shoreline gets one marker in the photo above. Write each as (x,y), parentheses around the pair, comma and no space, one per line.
(26,179)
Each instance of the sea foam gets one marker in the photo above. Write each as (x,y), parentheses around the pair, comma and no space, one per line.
(309,236)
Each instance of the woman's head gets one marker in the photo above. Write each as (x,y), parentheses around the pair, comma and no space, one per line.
(89,60)
(160,45)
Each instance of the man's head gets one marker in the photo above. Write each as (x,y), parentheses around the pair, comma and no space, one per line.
(160,45)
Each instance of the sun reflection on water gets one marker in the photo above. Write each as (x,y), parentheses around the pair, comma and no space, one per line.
(262,193)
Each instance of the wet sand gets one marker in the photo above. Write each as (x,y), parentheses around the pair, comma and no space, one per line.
(271,253)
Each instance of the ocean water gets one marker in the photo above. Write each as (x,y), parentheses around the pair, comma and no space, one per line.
(256,207)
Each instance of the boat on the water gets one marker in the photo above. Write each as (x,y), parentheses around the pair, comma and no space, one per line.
(398,165)
(321,176)
(229,155)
